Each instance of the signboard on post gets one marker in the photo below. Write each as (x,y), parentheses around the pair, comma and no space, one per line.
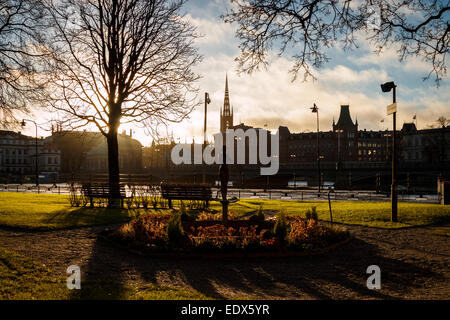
(390,109)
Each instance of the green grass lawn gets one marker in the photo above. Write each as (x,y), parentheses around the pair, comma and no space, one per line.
(47,211)
(374,214)
(23,279)
(50,211)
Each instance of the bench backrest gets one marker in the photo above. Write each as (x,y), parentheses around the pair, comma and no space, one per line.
(100,190)
(186,192)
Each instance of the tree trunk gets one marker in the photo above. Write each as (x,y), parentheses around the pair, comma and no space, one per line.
(113,167)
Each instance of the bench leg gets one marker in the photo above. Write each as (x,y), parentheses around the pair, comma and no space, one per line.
(170,203)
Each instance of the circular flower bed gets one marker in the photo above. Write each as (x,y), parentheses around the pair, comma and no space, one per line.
(173,233)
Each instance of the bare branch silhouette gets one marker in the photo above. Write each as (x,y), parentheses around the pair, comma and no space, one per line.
(421,27)
(305,29)
(21,38)
(121,61)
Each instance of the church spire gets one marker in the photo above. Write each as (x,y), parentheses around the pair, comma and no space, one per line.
(226,114)
(226,100)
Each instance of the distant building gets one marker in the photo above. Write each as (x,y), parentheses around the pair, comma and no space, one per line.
(18,156)
(157,156)
(340,144)
(431,146)
(87,152)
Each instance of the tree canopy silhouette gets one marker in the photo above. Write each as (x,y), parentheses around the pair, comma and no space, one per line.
(20,53)
(121,61)
(309,27)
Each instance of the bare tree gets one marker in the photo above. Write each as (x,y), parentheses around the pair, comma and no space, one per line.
(307,28)
(20,52)
(421,27)
(121,61)
(442,122)
(304,27)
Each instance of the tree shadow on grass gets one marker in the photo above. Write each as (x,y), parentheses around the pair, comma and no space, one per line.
(88,216)
(102,278)
(337,275)
(340,274)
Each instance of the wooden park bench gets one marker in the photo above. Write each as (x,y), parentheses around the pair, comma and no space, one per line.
(198,192)
(101,191)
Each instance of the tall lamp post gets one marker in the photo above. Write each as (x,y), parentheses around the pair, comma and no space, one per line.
(387,87)
(36,151)
(315,109)
(207,101)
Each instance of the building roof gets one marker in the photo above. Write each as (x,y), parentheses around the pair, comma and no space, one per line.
(345,121)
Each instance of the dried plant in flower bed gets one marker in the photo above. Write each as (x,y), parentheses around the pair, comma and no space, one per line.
(169,233)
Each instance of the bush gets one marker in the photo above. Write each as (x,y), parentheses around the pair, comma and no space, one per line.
(175,232)
(311,214)
(281,227)
(309,234)
(216,216)
(183,212)
(218,237)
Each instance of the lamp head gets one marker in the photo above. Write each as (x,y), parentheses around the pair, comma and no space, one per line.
(23,123)
(386,87)
(314,108)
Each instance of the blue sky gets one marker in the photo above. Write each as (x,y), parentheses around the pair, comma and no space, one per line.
(269,97)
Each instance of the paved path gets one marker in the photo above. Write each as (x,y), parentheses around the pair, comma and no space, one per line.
(414,265)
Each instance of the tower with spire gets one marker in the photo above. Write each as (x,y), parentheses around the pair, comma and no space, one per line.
(226,114)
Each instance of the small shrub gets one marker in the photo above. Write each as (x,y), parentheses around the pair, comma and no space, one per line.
(183,211)
(266,234)
(308,234)
(75,200)
(130,202)
(126,231)
(151,229)
(258,217)
(142,199)
(175,232)
(204,215)
(311,214)
(280,229)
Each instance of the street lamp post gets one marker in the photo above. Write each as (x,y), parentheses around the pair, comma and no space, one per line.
(207,101)
(36,151)
(387,87)
(315,109)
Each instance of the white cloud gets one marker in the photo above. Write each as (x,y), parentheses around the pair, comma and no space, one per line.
(343,74)
(213,32)
(389,58)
